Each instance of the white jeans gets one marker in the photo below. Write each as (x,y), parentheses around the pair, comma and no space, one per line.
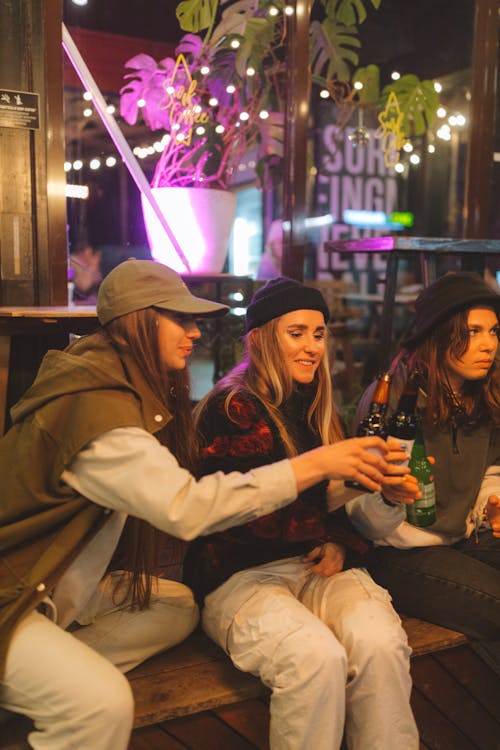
(71,684)
(332,650)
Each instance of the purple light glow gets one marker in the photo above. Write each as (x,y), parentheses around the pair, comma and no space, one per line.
(201,220)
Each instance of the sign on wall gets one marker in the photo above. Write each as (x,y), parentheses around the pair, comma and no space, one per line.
(19,109)
(353,179)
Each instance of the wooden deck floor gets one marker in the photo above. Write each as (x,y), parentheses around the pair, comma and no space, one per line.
(456,701)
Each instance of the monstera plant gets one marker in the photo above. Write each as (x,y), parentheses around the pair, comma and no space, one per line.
(223,93)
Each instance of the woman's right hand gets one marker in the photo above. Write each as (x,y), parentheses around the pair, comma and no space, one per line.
(360,459)
(493,514)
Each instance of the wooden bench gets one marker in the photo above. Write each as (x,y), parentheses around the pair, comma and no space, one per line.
(197,676)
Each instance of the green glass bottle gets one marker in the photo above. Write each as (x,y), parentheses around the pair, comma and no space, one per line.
(422,512)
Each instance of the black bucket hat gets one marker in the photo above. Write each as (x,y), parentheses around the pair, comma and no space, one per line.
(447,296)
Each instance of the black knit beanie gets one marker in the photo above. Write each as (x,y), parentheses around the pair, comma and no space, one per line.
(283,295)
(451,293)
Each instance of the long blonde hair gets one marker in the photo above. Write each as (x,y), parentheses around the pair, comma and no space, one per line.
(137,334)
(263,374)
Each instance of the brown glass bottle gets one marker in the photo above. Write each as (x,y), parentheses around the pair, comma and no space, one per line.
(402,426)
(374,422)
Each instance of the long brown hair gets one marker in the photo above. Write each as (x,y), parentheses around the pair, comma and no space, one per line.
(137,335)
(263,373)
(478,399)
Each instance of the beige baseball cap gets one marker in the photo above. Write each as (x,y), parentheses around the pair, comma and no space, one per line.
(138,284)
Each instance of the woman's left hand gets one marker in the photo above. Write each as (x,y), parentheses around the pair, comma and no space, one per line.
(328,559)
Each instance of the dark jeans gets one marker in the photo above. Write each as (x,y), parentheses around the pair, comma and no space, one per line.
(457,587)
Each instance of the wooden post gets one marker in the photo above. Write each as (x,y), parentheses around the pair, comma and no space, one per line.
(296,126)
(32,181)
(482,125)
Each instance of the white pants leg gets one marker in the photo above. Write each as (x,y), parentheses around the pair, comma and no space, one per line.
(271,621)
(359,612)
(77,699)
(128,637)
(71,684)
(272,635)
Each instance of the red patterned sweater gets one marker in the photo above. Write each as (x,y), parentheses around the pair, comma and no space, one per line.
(247,440)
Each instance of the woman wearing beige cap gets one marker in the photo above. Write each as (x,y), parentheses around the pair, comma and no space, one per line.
(104,435)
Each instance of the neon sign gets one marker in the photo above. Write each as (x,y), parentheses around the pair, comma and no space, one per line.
(184,112)
(391,131)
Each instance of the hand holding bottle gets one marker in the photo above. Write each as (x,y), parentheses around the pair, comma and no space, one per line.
(493,514)
(404,491)
(358,459)
(373,423)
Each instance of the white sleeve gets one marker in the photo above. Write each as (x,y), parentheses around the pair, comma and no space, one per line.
(386,526)
(128,470)
(372,517)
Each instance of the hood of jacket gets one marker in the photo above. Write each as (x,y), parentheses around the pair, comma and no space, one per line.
(89,364)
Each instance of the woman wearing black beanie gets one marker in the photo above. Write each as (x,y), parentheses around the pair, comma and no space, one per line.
(286,595)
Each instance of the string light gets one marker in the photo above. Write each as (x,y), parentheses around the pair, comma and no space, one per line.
(395,75)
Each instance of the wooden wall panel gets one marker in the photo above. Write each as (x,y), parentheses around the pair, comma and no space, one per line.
(33,265)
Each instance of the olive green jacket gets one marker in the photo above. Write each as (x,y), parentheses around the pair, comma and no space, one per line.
(78,394)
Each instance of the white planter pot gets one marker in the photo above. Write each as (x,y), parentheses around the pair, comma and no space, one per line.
(201,220)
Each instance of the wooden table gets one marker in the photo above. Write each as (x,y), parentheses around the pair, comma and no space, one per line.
(472,255)
(26,333)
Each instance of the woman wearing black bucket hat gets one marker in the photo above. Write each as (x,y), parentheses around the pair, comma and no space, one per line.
(287,596)
(104,437)
(449,572)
